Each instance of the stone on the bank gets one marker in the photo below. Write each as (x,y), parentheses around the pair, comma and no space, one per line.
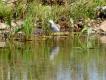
(2,44)
(103,26)
(3,26)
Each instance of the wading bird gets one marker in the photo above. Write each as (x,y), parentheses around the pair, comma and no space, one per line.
(54,27)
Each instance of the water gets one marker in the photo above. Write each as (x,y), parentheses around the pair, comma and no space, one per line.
(63,58)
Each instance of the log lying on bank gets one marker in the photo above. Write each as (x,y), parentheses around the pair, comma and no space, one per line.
(60,34)
(44,37)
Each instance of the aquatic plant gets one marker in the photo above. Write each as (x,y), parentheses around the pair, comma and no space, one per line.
(27,26)
(5,11)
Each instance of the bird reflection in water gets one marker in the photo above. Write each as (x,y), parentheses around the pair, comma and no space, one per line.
(54,52)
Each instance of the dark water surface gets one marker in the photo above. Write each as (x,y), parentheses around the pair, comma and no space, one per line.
(59,58)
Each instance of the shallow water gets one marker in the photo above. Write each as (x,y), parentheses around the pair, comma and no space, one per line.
(59,58)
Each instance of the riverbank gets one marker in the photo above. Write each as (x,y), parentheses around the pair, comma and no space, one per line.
(23,18)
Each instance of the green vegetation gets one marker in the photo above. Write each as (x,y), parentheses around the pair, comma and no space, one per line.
(32,10)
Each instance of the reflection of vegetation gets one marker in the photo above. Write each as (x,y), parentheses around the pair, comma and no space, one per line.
(32,61)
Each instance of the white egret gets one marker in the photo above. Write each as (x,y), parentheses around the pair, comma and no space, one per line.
(55,27)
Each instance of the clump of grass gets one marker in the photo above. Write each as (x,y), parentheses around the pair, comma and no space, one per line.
(5,11)
(28,25)
(85,8)
(45,13)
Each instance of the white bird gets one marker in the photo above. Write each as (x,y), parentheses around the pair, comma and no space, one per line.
(55,27)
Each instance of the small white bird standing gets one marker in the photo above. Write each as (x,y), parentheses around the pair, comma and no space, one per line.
(55,27)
